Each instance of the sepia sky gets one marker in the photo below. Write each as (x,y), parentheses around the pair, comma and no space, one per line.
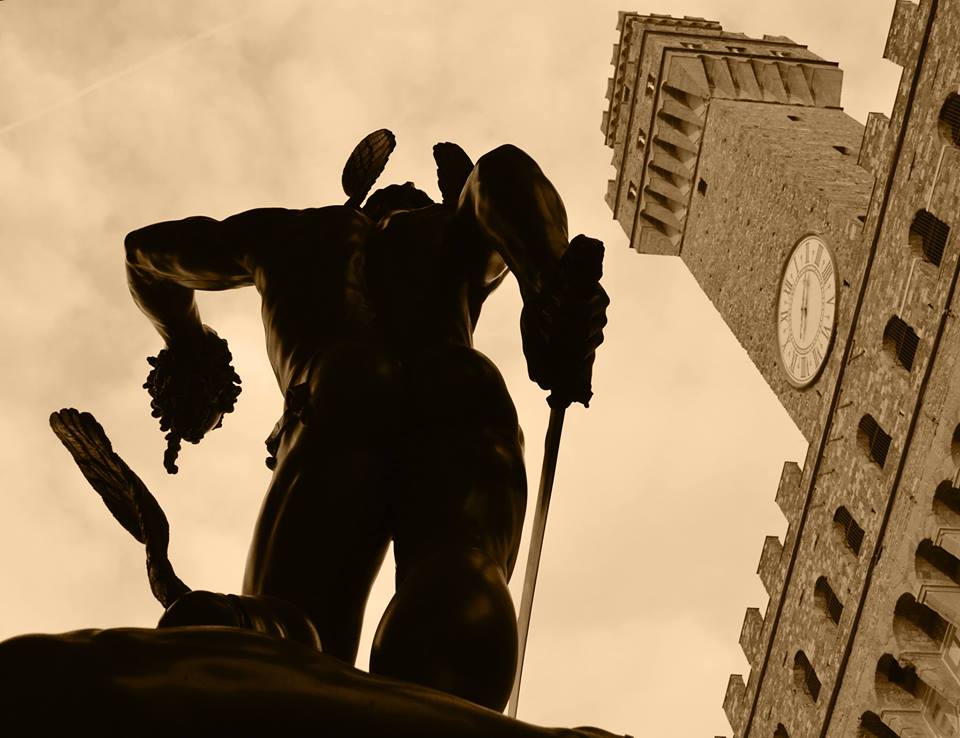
(119,113)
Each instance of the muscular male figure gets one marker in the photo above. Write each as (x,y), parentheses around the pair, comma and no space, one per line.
(395,427)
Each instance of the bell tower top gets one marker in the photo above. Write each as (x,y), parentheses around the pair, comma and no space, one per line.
(729,152)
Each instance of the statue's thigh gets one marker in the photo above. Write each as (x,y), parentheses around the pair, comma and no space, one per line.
(322,532)
(465,483)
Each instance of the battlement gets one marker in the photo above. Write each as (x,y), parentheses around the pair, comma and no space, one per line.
(667,72)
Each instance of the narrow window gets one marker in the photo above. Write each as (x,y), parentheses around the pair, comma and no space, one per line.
(871,726)
(827,600)
(780,732)
(651,85)
(804,676)
(843,150)
(626,93)
(631,191)
(901,340)
(794,118)
(873,439)
(702,187)
(950,120)
(852,533)
(928,236)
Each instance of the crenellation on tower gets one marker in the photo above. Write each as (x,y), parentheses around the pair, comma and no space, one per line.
(907,31)
(770,569)
(735,703)
(789,497)
(873,147)
(751,637)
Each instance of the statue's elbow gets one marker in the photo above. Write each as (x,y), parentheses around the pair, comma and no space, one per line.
(133,247)
(505,158)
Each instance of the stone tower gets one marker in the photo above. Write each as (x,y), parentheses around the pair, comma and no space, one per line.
(830,250)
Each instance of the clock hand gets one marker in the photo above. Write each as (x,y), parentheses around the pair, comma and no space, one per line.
(803,306)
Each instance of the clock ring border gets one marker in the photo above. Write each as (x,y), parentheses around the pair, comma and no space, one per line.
(836,309)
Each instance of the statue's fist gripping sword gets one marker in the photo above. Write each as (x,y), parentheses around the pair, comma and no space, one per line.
(571,318)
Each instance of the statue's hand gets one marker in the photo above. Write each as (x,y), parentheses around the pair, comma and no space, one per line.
(192,386)
(563,325)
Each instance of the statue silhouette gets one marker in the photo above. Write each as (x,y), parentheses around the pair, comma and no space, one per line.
(394,426)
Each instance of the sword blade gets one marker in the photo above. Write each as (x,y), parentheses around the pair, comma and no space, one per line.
(551,449)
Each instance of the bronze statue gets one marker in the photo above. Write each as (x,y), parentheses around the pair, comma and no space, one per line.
(394,427)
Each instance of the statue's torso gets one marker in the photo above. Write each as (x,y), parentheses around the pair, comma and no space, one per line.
(332,278)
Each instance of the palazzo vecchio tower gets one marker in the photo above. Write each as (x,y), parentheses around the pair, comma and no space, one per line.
(831,252)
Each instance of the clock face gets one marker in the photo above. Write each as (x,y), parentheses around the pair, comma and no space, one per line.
(806,310)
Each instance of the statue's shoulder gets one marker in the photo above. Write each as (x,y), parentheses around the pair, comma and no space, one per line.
(327,226)
(333,218)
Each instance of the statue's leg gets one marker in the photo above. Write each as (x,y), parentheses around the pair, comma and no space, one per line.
(458,517)
(322,532)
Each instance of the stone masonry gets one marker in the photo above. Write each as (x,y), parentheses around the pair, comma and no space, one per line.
(728,150)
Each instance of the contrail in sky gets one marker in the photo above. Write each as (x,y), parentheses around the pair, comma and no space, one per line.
(70,99)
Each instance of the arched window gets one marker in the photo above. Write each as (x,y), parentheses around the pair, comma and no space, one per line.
(917,626)
(904,678)
(873,439)
(825,598)
(852,533)
(928,236)
(804,676)
(871,726)
(780,732)
(901,341)
(934,562)
(946,503)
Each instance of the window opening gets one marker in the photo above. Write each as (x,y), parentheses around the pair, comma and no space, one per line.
(928,235)
(950,120)
(852,533)
(871,726)
(804,676)
(901,340)
(651,85)
(825,597)
(873,439)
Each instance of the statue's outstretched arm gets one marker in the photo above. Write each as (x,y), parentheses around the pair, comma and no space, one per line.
(167,261)
(192,384)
